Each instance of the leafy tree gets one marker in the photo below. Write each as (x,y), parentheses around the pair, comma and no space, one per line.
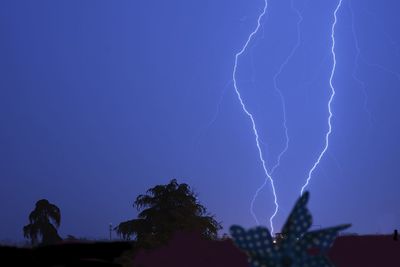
(40,223)
(164,210)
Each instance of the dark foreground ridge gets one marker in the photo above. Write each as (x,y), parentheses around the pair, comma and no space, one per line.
(190,249)
(65,255)
(365,251)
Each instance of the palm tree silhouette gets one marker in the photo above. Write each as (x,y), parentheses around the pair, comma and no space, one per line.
(40,223)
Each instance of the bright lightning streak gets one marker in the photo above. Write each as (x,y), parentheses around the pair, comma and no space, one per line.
(330,99)
(250,37)
(279,92)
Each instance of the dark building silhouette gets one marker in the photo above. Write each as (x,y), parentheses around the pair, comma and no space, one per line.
(395,235)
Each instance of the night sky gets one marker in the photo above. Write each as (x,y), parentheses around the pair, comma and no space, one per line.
(101,100)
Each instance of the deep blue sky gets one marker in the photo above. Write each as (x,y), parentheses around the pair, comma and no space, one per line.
(101,100)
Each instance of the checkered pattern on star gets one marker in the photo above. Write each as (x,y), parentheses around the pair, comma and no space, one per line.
(257,241)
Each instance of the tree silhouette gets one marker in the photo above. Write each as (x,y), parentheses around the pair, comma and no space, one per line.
(165,210)
(40,225)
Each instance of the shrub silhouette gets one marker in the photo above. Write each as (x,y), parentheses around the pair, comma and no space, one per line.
(40,225)
(166,209)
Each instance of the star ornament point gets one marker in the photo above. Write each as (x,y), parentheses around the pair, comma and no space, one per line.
(295,248)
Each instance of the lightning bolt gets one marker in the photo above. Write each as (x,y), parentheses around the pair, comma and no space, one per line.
(279,92)
(330,99)
(359,57)
(247,112)
(355,68)
(282,99)
(214,116)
